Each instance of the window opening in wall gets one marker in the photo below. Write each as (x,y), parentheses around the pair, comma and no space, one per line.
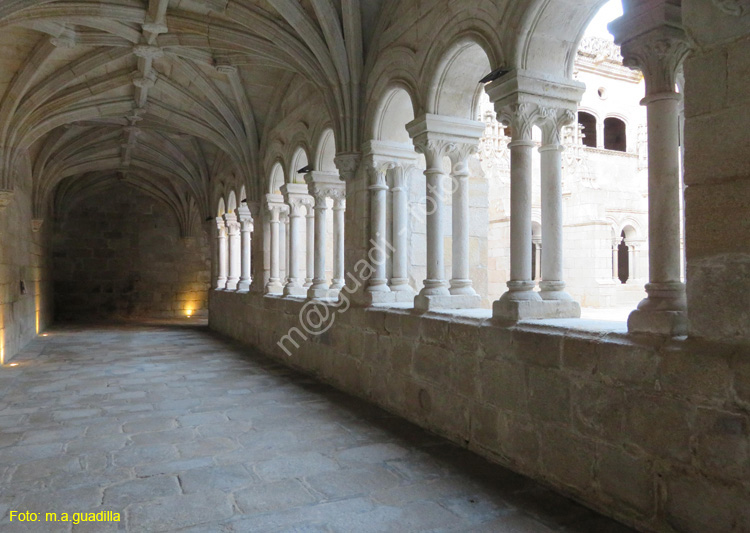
(588,123)
(614,135)
(623,260)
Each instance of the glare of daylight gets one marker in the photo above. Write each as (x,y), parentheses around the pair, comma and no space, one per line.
(609,12)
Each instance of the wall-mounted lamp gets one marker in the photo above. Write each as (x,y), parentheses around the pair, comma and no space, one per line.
(244,201)
(209,219)
(494,75)
(305,170)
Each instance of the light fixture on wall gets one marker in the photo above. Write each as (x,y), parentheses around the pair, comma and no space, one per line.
(494,75)
(305,170)
(244,201)
(209,219)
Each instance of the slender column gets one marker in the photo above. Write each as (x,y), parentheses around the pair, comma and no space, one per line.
(295,223)
(658,53)
(233,230)
(521,118)
(435,284)
(221,240)
(339,209)
(400,201)
(247,243)
(319,288)
(616,261)
(310,246)
(378,282)
(461,283)
(284,247)
(552,286)
(274,283)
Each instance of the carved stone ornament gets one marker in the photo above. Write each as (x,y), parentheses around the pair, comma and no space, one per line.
(6,197)
(148,52)
(658,55)
(733,7)
(36,224)
(347,164)
(521,119)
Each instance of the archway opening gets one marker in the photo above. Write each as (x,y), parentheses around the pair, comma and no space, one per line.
(623,260)
(588,128)
(615,135)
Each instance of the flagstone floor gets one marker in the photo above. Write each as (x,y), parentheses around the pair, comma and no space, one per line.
(177,429)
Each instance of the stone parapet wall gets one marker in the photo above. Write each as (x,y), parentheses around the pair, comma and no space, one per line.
(652,432)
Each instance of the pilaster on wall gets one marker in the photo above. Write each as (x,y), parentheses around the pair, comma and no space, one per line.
(717,169)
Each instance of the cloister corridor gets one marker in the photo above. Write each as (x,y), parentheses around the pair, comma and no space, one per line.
(178,429)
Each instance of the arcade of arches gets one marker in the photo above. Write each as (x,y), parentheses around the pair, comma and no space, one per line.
(304,173)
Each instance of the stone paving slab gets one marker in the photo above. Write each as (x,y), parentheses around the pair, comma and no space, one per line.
(177,429)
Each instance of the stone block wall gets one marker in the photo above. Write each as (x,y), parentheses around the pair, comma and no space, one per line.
(119,253)
(717,170)
(24,258)
(654,433)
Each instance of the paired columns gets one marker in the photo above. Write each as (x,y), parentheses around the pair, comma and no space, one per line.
(387,165)
(652,39)
(246,229)
(275,207)
(523,100)
(299,203)
(322,186)
(438,137)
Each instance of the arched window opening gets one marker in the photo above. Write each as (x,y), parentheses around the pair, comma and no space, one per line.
(623,260)
(588,123)
(615,136)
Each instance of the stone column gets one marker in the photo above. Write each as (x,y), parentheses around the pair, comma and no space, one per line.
(552,286)
(377,169)
(657,47)
(616,261)
(521,118)
(284,246)
(435,284)
(319,287)
(339,210)
(296,212)
(400,210)
(274,283)
(223,253)
(310,246)
(235,252)
(461,284)
(246,220)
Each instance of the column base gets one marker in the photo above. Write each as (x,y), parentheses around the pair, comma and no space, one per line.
(322,294)
(516,310)
(295,290)
(450,301)
(671,323)
(274,287)
(244,286)
(308,283)
(231,286)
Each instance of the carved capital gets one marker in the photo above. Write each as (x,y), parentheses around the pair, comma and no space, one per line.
(552,120)
(298,206)
(377,170)
(657,54)
(347,164)
(521,119)
(36,224)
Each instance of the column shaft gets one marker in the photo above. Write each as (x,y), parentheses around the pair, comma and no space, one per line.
(435,284)
(310,246)
(378,196)
(245,276)
(274,283)
(293,281)
(338,244)
(320,283)
(234,255)
(552,285)
(400,201)
(461,282)
(520,284)
(223,253)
